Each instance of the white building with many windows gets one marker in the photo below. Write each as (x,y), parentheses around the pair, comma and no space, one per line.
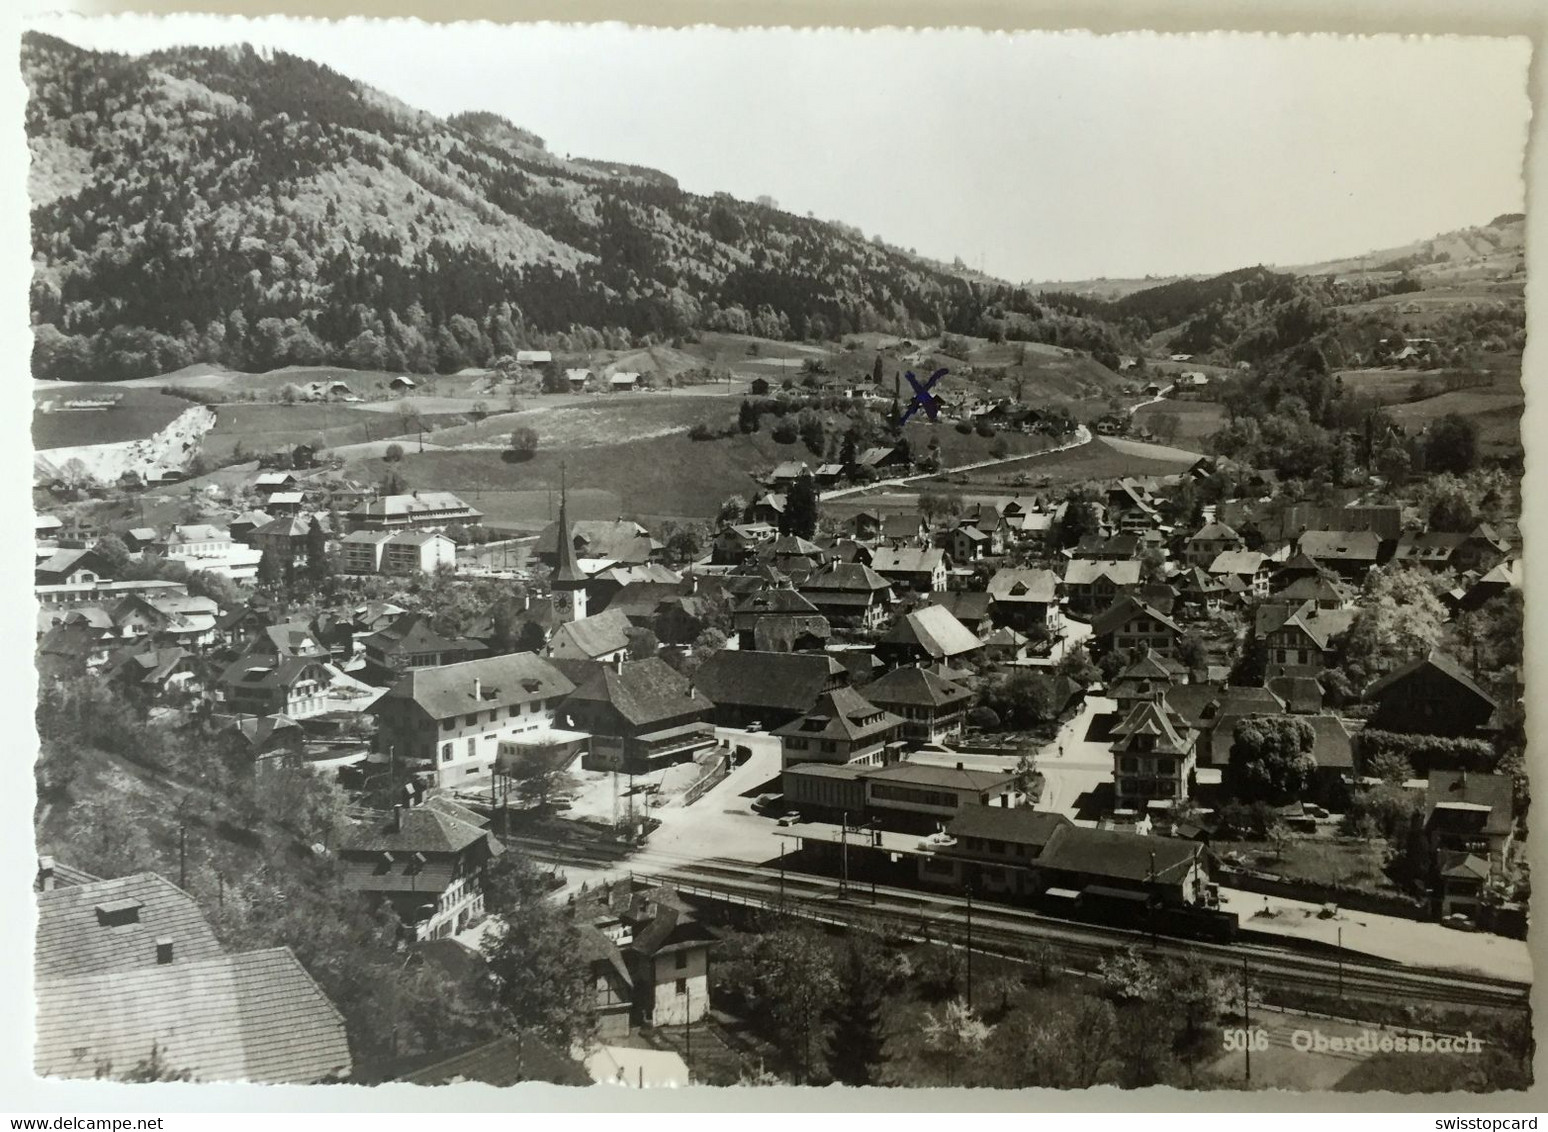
(456,715)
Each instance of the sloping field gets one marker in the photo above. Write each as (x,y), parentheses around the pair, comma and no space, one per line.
(1193,421)
(1094,461)
(262,427)
(1497,412)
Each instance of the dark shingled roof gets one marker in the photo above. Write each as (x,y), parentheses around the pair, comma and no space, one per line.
(508,1060)
(1101,853)
(641,691)
(1438,661)
(785,681)
(1446,787)
(593,636)
(424,829)
(915,686)
(1020,825)
(1122,611)
(968,606)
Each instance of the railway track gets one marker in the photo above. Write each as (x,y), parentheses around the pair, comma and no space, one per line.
(998,927)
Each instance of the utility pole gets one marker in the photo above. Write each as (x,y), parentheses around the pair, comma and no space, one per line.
(182,854)
(969,890)
(1341,962)
(783,844)
(688,1052)
(844,855)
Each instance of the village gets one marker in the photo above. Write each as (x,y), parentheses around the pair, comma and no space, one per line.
(1119,710)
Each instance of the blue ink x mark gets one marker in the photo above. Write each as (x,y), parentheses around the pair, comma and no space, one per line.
(923,398)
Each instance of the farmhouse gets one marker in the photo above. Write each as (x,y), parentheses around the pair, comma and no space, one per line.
(1025,599)
(1093,585)
(1431,696)
(931,706)
(427,862)
(766,688)
(911,568)
(641,715)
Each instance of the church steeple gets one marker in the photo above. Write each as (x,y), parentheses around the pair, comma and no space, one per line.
(568,581)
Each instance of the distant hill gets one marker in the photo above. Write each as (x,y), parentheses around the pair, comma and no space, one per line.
(1502,239)
(254,210)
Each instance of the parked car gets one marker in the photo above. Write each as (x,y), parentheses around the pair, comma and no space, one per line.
(790,819)
(1459,922)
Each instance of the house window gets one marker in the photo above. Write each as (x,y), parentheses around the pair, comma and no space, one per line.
(448,724)
(682,960)
(446,752)
(513,710)
(472,747)
(493,713)
(472,719)
(682,986)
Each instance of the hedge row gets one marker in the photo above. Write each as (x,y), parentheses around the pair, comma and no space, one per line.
(1424,751)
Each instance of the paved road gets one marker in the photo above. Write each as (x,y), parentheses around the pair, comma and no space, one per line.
(1081,436)
(1081,768)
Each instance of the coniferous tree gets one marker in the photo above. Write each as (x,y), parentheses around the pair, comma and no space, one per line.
(318,568)
(270,571)
(800,516)
(857,1042)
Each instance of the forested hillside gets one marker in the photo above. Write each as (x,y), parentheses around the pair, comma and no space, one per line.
(257,210)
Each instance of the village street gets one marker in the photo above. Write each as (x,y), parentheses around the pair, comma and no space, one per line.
(1074,765)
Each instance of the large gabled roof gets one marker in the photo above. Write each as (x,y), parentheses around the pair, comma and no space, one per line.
(947,777)
(1358,545)
(1237,562)
(755,679)
(934,629)
(1085,571)
(1435,661)
(641,691)
(1024,585)
(594,636)
(414,829)
(113,925)
(917,687)
(1097,853)
(847,577)
(1467,788)
(907,560)
(507,1060)
(842,713)
(256,1016)
(1125,609)
(449,689)
(1018,825)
